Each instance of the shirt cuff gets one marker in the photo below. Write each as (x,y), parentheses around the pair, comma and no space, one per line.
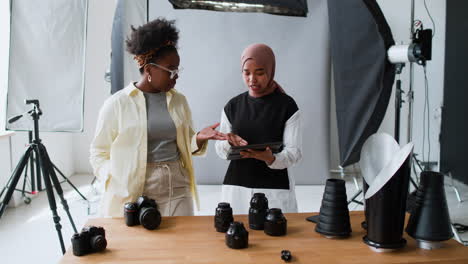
(198,151)
(276,165)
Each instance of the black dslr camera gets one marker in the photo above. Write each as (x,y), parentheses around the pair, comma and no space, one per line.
(144,212)
(91,239)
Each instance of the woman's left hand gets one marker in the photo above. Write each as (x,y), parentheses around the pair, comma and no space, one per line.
(265,155)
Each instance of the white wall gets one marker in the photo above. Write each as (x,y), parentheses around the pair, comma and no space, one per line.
(398,15)
(100,19)
(4,51)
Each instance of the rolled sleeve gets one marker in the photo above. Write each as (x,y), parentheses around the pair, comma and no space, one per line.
(222,146)
(292,144)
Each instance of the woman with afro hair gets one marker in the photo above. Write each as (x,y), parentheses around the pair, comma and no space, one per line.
(144,139)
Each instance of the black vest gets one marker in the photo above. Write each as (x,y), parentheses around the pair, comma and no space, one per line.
(258,120)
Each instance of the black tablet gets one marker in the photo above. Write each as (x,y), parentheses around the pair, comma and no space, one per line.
(234,151)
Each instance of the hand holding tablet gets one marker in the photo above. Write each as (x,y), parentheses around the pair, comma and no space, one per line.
(234,151)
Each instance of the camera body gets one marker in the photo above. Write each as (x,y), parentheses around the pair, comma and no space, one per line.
(223,217)
(144,211)
(91,239)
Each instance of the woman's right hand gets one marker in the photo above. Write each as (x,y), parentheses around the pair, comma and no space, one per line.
(235,140)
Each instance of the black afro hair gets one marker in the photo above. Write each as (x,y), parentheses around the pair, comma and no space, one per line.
(151,35)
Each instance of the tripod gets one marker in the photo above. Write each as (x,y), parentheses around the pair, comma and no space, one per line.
(44,165)
(30,167)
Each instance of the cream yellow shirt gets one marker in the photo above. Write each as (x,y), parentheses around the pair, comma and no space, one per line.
(118,151)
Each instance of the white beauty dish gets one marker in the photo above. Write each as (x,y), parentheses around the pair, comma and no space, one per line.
(381,157)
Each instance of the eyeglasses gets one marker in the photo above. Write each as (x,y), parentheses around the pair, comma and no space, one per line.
(172,72)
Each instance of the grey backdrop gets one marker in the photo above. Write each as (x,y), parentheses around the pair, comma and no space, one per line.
(210,47)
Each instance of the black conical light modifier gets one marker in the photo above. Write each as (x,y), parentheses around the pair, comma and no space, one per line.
(257,211)
(385,212)
(336,186)
(236,236)
(334,213)
(430,219)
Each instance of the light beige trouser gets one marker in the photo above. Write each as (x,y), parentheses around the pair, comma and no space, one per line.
(168,183)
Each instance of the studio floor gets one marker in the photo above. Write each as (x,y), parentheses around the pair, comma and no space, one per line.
(28,234)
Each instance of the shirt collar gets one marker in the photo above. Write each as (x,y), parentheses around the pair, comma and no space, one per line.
(132,90)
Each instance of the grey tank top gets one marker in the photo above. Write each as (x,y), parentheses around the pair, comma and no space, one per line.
(162,134)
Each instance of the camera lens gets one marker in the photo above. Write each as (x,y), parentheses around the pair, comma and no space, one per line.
(257,211)
(150,218)
(98,243)
(275,223)
(131,214)
(223,217)
(236,236)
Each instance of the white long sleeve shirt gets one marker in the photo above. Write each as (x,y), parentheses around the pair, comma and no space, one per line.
(239,196)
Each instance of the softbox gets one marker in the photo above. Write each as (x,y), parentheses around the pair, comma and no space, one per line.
(47,62)
(276,7)
(363,76)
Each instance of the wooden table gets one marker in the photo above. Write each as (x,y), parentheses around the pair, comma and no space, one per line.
(193,239)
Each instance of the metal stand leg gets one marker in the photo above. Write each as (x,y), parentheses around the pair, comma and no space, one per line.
(43,164)
(452,185)
(457,236)
(342,173)
(13,181)
(69,182)
(353,198)
(56,184)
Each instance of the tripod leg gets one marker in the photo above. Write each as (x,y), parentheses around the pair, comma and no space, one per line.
(26,199)
(68,181)
(14,180)
(24,180)
(31,164)
(353,199)
(413,161)
(50,194)
(33,176)
(58,187)
(38,172)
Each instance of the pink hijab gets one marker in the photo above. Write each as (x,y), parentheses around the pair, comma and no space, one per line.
(264,56)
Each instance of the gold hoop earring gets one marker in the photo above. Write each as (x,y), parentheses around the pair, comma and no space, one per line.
(149,78)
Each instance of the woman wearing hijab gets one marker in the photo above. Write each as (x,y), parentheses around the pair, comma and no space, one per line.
(263,114)
(144,138)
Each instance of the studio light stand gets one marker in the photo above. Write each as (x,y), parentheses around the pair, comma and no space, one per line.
(36,154)
(419,51)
